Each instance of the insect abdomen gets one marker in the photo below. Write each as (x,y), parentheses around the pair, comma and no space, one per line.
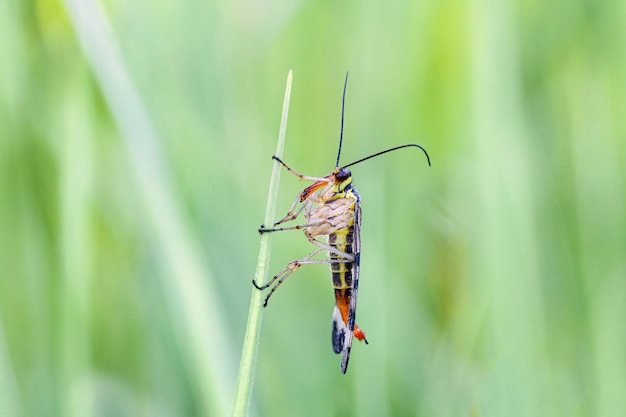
(343,239)
(342,272)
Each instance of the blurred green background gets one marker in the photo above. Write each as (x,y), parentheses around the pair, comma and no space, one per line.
(134,167)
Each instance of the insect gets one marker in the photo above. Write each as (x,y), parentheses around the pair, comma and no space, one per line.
(332,209)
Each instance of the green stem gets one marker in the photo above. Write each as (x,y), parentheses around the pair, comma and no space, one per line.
(247,365)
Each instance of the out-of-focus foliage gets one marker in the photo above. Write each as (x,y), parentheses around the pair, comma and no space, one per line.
(493,283)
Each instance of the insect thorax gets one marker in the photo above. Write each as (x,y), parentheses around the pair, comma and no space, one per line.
(332,216)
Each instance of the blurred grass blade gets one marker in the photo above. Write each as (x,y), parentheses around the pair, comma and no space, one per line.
(9,392)
(188,288)
(250,343)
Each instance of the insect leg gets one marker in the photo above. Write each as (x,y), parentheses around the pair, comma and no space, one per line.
(282,229)
(296,227)
(291,214)
(302,177)
(348,257)
(308,200)
(286,269)
(290,269)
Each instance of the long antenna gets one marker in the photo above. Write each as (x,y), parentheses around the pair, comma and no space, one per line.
(343,106)
(388,150)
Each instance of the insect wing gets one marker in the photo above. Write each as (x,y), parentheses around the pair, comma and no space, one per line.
(339,331)
(347,344)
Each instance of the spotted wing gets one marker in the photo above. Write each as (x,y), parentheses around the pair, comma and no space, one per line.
(339,331)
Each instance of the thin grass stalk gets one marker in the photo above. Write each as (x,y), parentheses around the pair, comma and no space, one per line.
(247,366)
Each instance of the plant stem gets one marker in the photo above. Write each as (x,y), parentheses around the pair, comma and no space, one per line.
(245,379)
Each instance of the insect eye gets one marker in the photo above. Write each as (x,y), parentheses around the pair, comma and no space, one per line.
(343,174)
